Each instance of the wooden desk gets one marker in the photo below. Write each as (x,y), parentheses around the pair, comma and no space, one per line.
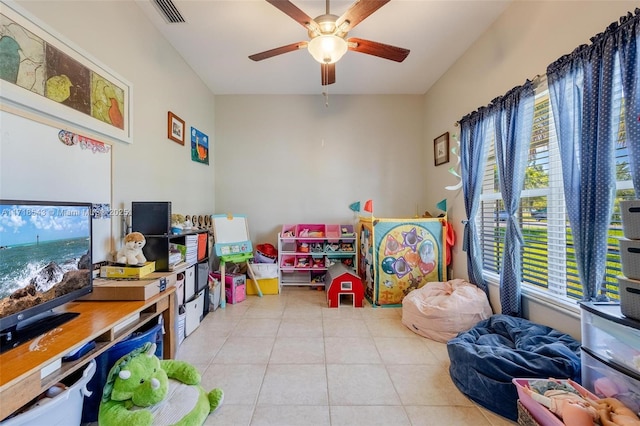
(20,380)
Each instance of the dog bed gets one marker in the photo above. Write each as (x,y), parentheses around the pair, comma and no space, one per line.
(441,310)
(486,358)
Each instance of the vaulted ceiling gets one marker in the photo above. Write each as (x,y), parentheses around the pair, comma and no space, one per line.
(218,36)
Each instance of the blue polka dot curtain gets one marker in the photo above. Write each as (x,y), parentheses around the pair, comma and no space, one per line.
(513,126)
(586,117)
(473,156)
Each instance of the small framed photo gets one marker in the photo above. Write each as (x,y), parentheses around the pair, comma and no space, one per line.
(441,149)
(175,129)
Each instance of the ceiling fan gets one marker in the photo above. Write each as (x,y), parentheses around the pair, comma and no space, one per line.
(328,34)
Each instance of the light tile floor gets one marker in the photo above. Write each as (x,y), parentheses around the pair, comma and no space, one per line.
(288,359)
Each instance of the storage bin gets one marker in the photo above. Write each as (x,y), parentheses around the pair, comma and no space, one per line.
(265,270)
(347,231)
(63,409)
(235,294)
(214,292)
(181,324)
(629,297)
(630,214)
(539,412)
(152,332)
(288,231)
(606,381)
(630,258)
(195,310)
(287,261)
(333,232)
(310,230)
(203,241)
(267,286)
(610,339)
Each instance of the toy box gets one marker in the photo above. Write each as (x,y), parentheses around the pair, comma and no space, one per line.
(630,215)
(235,294)
(267,286)
(630,258)
(234,286)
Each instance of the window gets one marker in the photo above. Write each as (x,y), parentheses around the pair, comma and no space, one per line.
(548,257)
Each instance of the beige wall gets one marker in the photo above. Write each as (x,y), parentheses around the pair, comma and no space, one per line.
(153,168)
(291,159)
(522,42)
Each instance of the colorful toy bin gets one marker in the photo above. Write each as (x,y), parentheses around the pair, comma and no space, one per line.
(399,255)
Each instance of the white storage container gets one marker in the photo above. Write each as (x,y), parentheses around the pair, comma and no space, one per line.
(629,297)
(630,258)
(630,213)
(195,310)
(63,409)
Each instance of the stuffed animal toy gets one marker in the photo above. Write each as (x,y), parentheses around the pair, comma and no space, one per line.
(131,252)
(137,387)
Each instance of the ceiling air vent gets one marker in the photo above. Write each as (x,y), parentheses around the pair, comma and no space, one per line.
(170,11)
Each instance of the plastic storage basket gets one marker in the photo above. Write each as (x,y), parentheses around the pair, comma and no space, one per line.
(630,213)
(630,258)
(64,409)
(629,297)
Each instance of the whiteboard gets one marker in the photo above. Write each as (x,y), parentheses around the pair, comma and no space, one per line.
(36,165)
(230,228)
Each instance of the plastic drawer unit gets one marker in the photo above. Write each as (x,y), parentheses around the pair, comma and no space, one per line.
(610,353)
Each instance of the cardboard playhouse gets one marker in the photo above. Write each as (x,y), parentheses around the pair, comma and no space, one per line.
(399,255)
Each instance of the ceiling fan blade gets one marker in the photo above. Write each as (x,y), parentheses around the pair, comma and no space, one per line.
(328,72)
(358,12)
(295,13)
(381,50)
(278,51)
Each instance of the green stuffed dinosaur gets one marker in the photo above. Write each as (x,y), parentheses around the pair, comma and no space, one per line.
(139,392)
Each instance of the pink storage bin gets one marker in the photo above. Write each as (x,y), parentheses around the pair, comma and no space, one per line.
(539,412)
(288,232)
(311,231)
(288,261)
(333,232)
(235,294)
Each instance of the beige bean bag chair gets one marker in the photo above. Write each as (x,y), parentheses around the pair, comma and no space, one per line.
(441,310)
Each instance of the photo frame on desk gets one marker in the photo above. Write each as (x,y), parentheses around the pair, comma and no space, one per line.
(47,78)
(441,149)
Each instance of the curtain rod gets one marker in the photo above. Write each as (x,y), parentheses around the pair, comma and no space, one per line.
(537,81)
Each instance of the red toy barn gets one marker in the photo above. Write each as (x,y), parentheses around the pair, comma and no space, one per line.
(341,280)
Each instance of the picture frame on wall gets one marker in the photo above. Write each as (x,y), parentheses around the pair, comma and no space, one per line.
(175,128)
(47,78)
(441,149)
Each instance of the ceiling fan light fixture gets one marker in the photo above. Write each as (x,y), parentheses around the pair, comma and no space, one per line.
(327,48)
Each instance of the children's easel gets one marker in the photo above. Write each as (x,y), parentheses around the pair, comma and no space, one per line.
(232,244)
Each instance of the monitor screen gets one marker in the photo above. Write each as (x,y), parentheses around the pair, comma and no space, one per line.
(45,257)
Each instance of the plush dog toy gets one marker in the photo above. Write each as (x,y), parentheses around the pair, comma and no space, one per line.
(131,252)
(139,383)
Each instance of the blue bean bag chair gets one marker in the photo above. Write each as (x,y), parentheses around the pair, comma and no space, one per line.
(487,357)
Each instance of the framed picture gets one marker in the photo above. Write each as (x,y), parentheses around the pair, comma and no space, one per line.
(175,128)
(441,149)
(199,146)
(46,77)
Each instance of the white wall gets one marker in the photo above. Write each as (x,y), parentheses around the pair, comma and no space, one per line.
(153,168)
(291,159)
(522,42)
